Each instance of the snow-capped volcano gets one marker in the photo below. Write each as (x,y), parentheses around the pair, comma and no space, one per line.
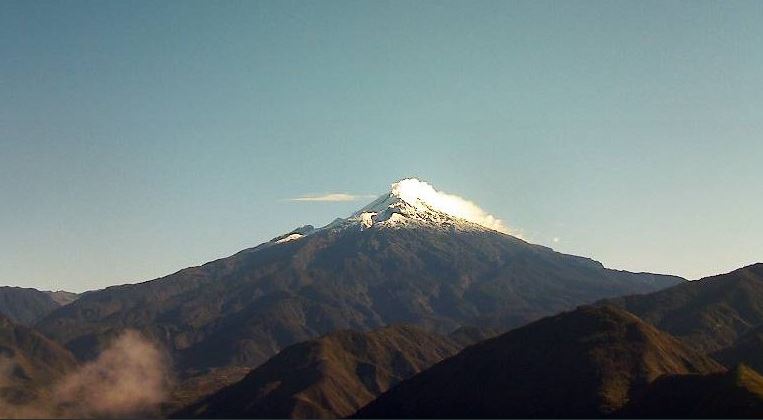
(415,255)
(413,201)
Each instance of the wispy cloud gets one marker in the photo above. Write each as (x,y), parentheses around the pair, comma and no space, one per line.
(129,379)
(332,197)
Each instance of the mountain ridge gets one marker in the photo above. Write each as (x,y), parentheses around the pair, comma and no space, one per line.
(584,363)
(240,310)
(328,377)
(26,305)
(710,313)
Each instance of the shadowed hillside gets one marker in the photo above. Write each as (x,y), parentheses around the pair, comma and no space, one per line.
(711,313)
(734,394)
(747,349)
(29,363)
(328,377)
(585,363)
(27,306)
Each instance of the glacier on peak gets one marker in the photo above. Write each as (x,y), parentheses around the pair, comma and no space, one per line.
(416,199)
(412,202)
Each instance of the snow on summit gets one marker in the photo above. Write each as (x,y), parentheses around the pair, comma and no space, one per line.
(411,202)
(414,199)
(419,192)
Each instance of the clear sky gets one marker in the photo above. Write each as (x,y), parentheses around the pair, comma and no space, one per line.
(139,138)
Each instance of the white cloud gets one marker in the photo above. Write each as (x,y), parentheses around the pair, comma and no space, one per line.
(415,192)
(419,193)
(129,379)
(332,197)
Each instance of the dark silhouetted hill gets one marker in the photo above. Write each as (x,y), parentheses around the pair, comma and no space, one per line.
(747,349)
(586,363)
(27,306)
(328,377)
(710,314)
(737,393)
(29,363)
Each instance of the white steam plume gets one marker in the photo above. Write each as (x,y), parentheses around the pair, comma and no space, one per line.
(128,379)
(419,193)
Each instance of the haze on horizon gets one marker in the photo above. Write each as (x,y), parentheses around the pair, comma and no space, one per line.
(140,138)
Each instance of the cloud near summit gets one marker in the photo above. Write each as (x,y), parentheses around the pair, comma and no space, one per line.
(417,193)
(414,191)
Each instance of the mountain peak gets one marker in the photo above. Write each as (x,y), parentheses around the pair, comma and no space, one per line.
(411,200)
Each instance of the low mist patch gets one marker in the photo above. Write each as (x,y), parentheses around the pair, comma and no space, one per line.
(130,378)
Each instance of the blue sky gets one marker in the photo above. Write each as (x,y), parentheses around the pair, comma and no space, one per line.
(138,138)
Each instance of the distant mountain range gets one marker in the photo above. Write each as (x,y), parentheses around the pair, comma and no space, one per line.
(410,307)
(402,259)
(27,306)
(711,314)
